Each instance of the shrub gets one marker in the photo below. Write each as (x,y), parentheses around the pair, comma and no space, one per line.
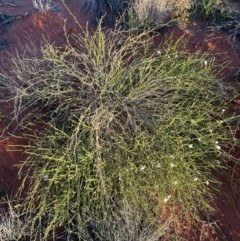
(213,10)
(123,121)
(183,6)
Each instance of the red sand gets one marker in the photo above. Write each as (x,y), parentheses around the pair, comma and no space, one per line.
(50,26)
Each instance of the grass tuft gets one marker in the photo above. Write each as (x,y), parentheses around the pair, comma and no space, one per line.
(10,224)
(99,8)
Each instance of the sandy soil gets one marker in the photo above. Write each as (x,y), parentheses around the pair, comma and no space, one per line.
(225,224)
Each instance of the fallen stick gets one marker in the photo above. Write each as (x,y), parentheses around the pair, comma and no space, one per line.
(10,4)
(17,17)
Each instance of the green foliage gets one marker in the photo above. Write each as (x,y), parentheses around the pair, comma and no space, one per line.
(213,10)
(1,115)
(125,122)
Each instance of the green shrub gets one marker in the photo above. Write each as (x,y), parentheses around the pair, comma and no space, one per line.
(125,121)
(213,10)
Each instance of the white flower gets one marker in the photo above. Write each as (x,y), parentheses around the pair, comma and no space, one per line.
(193,122)
(205,62)
(207,183)
(175,182)
(45,177)
(218,147)
(172,165)
(143,167)
(167,199)
(158,52)
(210,130)
(159,165)
(169,57)
(199,139)
(216,142)
(190,146)
(223,110)
(195,179)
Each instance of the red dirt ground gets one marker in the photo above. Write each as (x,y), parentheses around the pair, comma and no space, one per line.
(225,224)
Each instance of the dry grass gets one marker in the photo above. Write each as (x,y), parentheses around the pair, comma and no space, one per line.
(124,223)
(44,5)
(153,10)
(157,12)
(10,225)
